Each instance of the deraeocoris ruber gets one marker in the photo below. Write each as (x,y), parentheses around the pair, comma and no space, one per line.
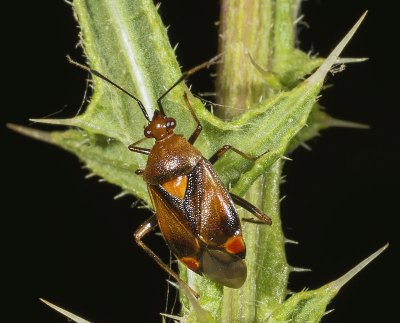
(194,211)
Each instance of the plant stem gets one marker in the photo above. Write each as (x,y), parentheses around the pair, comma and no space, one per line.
(247,27)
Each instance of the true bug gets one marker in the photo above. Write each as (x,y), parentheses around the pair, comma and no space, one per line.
(194,211)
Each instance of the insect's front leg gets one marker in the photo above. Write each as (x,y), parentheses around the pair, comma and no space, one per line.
(140,233)
(264,219)
(140,150)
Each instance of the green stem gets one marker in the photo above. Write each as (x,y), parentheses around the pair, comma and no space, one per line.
(250,27)
(245,29)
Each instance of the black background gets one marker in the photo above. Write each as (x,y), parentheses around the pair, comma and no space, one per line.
(65,239)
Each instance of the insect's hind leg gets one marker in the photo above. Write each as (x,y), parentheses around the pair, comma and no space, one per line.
(220,152)
(146,227)
(263,218)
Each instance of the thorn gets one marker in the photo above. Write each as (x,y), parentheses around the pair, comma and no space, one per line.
(70,315)
(349,60)
(44,136)
(202,314)
(134,204)
(101,180)
(298,19)
(339,283)
(173,284)
(282,198)
(175,47)
(208,94)
(347,124)
(158,5)
(90,175)
(174,317)
(58,122)
(305,146)
(299,269)
(290,241)
(329,312)
(290,292)
(286,158)
(120,195)
(319,75)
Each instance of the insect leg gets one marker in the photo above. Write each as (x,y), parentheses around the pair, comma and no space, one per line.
(220,152)
(140,150)
(264,219)
(184,76)
(199,127)
(140,233)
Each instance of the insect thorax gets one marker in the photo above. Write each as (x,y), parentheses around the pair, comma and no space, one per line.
(169,158)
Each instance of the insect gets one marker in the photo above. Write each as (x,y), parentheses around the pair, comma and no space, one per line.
(193,209)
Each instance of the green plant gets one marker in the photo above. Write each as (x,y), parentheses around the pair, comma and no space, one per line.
(262,77)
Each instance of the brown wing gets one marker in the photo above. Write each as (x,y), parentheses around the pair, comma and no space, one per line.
(201,205)
(172,223)
(215,216)
(200,224)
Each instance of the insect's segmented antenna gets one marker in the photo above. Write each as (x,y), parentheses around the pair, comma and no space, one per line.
(184,76)
(94,72)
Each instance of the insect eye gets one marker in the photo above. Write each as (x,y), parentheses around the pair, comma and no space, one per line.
(171,123)
(147,133)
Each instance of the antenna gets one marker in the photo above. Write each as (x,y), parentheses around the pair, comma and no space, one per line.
(184,76)
(94,72)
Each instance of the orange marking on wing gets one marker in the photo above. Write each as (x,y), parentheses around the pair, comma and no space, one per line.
(235,245)
(191,263)
(176,187)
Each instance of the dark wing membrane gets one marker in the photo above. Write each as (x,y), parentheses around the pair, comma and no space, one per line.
(173,225)
(209,207)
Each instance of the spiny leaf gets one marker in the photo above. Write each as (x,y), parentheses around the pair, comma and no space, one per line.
(310,306)
(319,120)
(70,315)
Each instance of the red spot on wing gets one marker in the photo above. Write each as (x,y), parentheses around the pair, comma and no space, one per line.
(191,263)
(176,187)
(235,245)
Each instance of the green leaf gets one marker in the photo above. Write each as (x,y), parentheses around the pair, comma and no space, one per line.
(70,315)
(127,42)
(319,120)
(310,306)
